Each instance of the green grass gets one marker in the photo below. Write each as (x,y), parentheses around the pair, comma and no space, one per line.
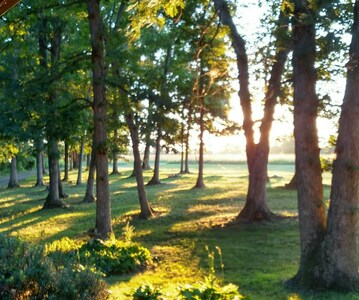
(258,258)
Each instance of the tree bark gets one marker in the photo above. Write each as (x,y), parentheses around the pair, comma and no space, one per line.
(53,198)
(103,228)
(39,171)
(311,209)
(89,195)
(114,156)
(189,123)
(13,182)
(334,263)
(292,185)
(66,165)
(79,173)
(340,247)
(146,210)
(156,172)
(146,155)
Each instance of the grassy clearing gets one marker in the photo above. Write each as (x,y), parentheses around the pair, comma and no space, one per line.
(258,258)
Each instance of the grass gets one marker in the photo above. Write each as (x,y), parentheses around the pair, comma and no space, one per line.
(258,258)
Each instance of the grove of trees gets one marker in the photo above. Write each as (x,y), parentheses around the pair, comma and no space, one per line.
(96,77)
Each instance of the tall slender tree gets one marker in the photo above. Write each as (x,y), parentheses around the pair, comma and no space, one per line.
(103,228)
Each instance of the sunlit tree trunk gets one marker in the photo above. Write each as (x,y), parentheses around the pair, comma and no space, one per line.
(103,228)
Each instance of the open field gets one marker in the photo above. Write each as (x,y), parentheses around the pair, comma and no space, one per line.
(258,258)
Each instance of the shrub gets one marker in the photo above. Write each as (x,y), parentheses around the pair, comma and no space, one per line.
(109,257)
(27,273)
(147,292)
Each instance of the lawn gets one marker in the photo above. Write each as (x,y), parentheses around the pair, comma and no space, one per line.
(258,257)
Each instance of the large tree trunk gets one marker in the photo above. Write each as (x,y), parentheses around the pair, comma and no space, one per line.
(341,249)
(156,172)
(334,264)
(66,165)
(53,197)
(13,182)
(79,173)
(89,195)
(146,211)
(39,171)
(103,228)
(311,209)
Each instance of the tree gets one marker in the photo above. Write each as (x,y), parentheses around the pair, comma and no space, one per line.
(328,248)
(256,207)
(103,227)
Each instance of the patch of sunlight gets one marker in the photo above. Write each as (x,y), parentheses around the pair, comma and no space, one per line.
(219,220)
(294,297)
(41,231)
(19,225)
(213,209)
(176,266)
(288,214)
(16,215)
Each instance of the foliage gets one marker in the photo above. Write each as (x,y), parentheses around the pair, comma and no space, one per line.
(147,292)
(210,288)
(26,272)
(109,257)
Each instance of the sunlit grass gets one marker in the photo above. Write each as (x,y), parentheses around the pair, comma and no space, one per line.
(258,258)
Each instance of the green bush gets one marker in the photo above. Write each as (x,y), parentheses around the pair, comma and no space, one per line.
(109,257)
(147,292)
(27,273)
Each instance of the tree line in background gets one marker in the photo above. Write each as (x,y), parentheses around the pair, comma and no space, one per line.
(151,71)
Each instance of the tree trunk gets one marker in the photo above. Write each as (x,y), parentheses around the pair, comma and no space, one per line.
(292,185)
(39,171)
(156,172)
(79,173)
(200,183)
(114,156)
(189,123)
(53,197)
(66,165)
(256,207)
(341,249)
(90,196)
(146,211)
(13,182)
(334,264)
(103,228)
(311,209)
(62,193)
(146,156)
(75,160)
(88,160)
